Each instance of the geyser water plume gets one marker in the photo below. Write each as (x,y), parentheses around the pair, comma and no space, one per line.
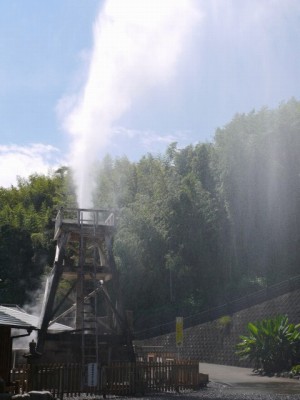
(137,44)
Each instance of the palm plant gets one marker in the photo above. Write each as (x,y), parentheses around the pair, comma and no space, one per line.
(272,344)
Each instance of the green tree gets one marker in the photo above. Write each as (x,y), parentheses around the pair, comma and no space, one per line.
(26,224)
(257,164)
(18,272)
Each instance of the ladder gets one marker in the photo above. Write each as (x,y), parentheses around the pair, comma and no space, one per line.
(87,308)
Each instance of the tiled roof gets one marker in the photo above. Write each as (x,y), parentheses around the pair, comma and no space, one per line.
(12,321)
(15,317)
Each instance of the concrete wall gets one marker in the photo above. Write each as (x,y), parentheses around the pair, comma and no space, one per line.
(215,341)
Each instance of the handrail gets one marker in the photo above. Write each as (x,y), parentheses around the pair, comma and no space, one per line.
(58,222)
(231,307)
(110,220)
(83,216)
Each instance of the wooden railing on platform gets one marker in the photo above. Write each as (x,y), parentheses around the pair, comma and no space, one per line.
(120,378)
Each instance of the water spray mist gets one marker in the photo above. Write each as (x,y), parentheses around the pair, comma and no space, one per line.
(137,44)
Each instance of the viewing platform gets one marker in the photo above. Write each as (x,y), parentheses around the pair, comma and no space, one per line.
(97,223)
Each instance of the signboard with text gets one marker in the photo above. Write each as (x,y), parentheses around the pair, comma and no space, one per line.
(179,331)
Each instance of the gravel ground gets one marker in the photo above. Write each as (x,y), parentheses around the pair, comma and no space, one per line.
(220,393)
(214,391)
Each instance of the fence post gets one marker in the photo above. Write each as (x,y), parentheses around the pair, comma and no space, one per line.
(30,378)
(103,380)
(61,383)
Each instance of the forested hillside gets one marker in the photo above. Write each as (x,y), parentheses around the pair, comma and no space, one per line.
(26,232)
(196,226)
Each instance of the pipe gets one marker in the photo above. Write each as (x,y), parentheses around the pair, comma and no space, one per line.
(29,331)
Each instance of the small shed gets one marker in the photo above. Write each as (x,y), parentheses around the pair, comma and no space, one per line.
(13,317)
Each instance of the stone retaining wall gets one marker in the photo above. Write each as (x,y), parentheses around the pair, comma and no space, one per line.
(215,341)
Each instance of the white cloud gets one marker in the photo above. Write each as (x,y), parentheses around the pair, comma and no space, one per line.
(23,161)
(149,138)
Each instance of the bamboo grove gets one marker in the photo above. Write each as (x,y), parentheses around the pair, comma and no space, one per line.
(196,226)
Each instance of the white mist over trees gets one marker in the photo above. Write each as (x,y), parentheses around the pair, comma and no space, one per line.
(211,222)
(137,45)
(196,226)
(141,46)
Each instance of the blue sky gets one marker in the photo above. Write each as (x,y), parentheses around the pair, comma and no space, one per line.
(238,56)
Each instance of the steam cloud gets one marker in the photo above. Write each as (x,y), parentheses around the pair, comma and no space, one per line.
(137,44)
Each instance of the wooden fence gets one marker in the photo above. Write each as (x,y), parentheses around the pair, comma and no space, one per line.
(122,378)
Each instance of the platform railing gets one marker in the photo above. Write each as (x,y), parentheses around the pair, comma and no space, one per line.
(83,216)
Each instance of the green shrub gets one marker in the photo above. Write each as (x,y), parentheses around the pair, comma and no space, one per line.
(296,369)
(224,324)
(225,320)
(272,344)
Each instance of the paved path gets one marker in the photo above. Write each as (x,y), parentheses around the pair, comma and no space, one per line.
(243,380)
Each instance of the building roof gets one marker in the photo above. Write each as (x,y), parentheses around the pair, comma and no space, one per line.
(15,317)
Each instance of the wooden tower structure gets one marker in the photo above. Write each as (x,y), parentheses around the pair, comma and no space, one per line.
(84,258)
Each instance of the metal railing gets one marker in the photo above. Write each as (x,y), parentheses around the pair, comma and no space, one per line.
(230,307)
(83,216)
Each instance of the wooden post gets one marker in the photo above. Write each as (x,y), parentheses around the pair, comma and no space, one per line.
(5,353)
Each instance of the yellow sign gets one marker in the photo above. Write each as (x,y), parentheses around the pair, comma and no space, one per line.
(179,331)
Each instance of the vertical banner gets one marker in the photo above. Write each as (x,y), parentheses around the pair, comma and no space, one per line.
(92,374)
(179,331)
